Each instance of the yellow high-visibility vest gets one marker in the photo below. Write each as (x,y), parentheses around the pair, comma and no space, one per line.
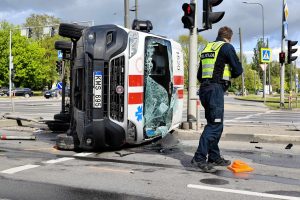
(208,59)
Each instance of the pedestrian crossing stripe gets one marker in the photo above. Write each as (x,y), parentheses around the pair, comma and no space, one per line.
(265,55)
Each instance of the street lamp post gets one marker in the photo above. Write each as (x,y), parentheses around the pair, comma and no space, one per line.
(263,17)
(10,68)
(263,35)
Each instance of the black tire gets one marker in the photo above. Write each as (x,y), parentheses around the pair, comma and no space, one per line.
(72,31)
(65,117)
(63,45)
(58,126)
(64,142)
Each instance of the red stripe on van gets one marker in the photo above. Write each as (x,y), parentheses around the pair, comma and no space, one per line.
(180,94)
(135,98)
(136,80)
(178,80)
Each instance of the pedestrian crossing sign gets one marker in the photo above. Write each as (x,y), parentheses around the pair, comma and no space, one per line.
(59,54)
(265,55)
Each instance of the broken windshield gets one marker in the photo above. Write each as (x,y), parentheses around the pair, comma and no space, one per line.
(159,95)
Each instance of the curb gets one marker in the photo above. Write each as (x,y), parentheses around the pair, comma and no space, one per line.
(268,138)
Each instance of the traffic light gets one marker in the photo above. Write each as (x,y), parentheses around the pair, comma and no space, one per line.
(188,18)
(52,31)
(281,57)
(290,51)
(210,17)
(30,33)
(59,66)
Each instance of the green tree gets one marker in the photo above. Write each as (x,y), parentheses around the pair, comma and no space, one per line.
(38,22)
(28,63)
(185,41)
(50,59)
(46,42)
(34,60)
(4,52)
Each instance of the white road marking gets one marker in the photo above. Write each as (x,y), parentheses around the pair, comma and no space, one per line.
(18,169)
(82,154)
(58,160)
(248,116)
(243,192)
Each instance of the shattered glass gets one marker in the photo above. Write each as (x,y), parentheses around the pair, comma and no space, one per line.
(159,104)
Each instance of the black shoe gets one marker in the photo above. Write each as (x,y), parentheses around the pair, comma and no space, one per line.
(203,166)
(220,162)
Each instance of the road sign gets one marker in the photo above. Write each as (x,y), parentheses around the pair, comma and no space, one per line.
(263,66)
(265,55)
(59,85)
(286,11)
(59,54)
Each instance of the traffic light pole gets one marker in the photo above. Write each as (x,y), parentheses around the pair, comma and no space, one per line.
(241,59)
(126,14)
(282,68)
(192,87)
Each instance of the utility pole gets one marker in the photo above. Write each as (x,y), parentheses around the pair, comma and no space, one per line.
(11,66)
(136,9)
(296,77)
(296,81)
(255,80)
(270,65)
(291,77)
(282,65)
(192,89)
(241,58)
(126,14)
(269,68)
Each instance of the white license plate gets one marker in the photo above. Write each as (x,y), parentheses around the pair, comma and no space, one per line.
(98,89)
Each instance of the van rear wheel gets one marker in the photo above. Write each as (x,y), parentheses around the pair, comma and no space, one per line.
(72,31)
(65,117)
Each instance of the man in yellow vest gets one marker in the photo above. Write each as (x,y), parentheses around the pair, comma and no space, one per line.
(219,63)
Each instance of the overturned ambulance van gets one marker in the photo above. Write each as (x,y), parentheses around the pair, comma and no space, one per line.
(126,85)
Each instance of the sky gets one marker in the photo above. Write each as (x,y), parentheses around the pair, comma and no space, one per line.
(165,16)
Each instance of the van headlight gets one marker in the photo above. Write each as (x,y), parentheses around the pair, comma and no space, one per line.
(133,43)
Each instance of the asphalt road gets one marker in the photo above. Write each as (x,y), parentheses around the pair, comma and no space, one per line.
(251,112)
(158,170)
(34,106)
(34,170)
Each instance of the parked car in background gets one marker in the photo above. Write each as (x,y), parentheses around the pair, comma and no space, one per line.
(56,93)
(50,93)
(238,93)
(25,92)
(4,92)
(259,92)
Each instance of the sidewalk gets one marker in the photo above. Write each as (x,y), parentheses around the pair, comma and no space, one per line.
(249,132)
(271,134)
